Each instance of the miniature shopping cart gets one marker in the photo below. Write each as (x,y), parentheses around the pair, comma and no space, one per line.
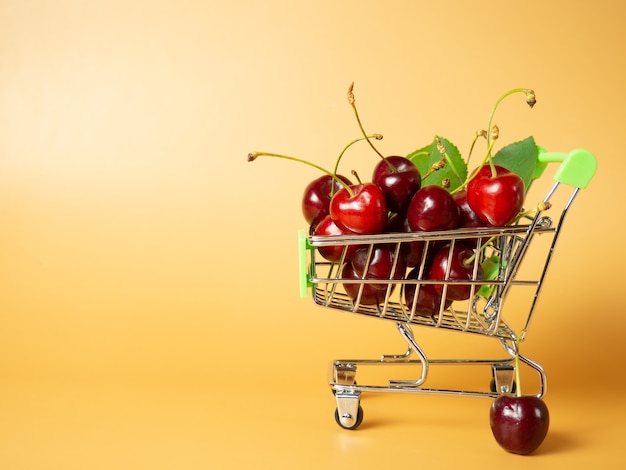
(506,286)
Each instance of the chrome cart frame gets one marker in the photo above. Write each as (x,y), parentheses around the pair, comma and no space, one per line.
(498,274)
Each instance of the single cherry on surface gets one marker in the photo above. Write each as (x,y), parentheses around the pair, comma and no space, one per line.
(497,199)
(519,423)
(360,209)
(399,179)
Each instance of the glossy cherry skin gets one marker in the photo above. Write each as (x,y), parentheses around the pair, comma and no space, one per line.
(399,179)
(460,270)
(333,253)
(317,195)
(379,264)
(370,294)
(467,217)
(432,208)
(428,302)
(497,200)
(363,212)
(519,424)
(413,250)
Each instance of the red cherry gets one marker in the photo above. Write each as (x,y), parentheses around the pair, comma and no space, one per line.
(316,197)
(399,179)
(333,252)
(414,250)
(497,200)
(378,263)
(370,295)
(460,270)
(432,208)
(362,210)
(468,218)
(428,300)
(519,424)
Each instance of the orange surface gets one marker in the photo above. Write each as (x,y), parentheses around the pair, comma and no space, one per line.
(148,274)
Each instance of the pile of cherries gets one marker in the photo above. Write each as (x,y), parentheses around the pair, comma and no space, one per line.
(396,201)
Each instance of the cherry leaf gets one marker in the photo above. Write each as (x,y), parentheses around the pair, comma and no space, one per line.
(519,157)
(455,169)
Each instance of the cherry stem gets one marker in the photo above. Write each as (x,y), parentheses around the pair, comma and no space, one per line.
(254,155)
(435,167)
(352,100)
(530,100)
(442,150)
(530,213)
(482,248)
(373,136)
(517,364)
(485,161)
(356,175)
(479,134)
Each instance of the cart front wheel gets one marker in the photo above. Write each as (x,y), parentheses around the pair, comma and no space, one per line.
(493,388)
(347,421)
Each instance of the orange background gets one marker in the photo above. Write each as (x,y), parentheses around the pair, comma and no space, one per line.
(148,273)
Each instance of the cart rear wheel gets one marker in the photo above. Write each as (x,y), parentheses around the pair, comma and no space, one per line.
(342,421)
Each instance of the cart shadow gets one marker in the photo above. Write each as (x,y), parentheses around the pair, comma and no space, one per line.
(557,442)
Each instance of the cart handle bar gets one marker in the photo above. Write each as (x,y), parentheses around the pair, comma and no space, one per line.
(577,169)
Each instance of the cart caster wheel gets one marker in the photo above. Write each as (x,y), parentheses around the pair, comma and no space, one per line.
(492,387)
(335,391)
(347,421)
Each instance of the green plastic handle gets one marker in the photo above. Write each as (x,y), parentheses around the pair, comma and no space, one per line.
(577,167)
(303,246)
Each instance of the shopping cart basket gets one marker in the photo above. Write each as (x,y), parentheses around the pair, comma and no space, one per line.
(497,286)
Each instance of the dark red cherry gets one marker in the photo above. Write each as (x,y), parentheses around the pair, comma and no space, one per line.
(467,217)
(462,262)
(413,250)
(317,195)
(519,424)
(432,208)
(399,179)
(428,302)
(370,295)
(379,262)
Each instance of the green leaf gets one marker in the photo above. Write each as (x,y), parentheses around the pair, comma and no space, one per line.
(491,268)
(455,169)
(519,157)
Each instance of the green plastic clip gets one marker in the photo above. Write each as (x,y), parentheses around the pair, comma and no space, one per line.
(303,247)
(577,167)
